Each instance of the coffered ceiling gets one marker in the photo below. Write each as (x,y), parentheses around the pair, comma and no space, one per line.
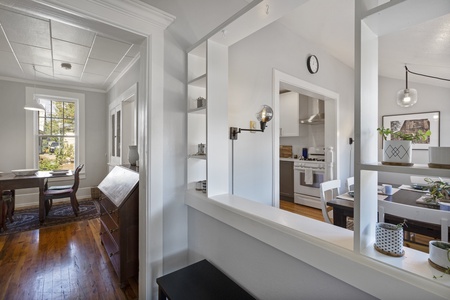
(62,53)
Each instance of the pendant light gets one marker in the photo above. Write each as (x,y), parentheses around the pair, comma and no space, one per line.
(407,97)
(34,104)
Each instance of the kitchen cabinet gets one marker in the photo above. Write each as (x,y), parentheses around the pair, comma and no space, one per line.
(287,180)
(289,114)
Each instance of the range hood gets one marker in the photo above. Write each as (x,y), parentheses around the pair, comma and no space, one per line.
(316,112)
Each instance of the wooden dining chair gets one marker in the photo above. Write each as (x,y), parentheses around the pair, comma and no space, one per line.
(70,192)
(9,201)
(328,191)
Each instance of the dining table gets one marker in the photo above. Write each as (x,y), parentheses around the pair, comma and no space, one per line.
(343,207)
(11,181)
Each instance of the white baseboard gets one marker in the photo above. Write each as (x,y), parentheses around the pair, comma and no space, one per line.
(24,200)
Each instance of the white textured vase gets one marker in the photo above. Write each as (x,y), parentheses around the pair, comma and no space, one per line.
(440,253)
(397,152)
(389,239)
(133,155)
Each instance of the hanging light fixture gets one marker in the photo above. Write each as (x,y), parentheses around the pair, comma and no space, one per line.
(34,104)
(407,97)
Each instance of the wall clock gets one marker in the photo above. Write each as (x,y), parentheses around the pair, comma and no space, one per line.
(313,64)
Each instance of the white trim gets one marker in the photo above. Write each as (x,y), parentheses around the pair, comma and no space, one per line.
(331,105)
(48,84)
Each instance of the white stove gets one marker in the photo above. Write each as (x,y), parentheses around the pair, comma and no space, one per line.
(309,173)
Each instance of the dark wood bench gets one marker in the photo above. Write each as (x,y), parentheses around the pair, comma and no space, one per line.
(199,281)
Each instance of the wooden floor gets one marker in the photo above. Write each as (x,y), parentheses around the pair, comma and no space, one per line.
(60,262)
(418,242)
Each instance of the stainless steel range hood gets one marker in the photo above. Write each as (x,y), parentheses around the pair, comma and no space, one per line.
(316,112)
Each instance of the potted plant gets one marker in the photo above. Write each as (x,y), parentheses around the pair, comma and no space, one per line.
(389,238)
(398,150)
(439,190)
(439,256)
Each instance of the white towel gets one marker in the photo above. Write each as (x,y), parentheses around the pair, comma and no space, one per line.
(309,176)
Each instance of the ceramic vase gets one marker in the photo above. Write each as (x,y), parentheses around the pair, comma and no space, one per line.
(397,152)
(439,254)
(389,239)
(133,155)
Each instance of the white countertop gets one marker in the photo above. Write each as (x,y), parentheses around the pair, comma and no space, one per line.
(288,159)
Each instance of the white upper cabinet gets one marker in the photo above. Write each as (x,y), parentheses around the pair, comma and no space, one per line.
(289,114)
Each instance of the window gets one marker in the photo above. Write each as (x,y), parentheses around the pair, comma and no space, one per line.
(55,138)
(57,134)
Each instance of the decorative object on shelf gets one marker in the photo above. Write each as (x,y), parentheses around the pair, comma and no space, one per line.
(389,239)
(398,150)
(312,64)
(439,190)
(439,256)
(201,149)
(133,155)
(34,104)
(409,125)
(408,97)
(201,102)
(263,116)
(439,157)
(201,186)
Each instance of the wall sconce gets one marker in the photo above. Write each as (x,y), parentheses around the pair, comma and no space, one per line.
(34,104)
(408,97)
(263,116)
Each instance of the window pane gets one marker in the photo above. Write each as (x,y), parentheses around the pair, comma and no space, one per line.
(69,127)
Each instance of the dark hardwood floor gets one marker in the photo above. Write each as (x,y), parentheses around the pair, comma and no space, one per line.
(60,262)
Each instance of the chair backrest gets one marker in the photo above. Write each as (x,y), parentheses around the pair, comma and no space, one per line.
(328,191)
(350,183)
(421,214)
(76,176)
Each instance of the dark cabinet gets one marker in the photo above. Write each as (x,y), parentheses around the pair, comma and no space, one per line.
(119,232)
(287,180)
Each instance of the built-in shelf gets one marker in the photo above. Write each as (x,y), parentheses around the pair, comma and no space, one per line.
(197,156)
(198,110)
(199,81)
(416,169)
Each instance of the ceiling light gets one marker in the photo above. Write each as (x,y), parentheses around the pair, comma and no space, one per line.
(407,97)
(34,104)
(66,66)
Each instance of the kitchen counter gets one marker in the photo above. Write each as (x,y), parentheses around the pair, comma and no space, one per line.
(288,159)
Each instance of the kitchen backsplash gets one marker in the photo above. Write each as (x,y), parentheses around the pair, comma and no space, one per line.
(310,136)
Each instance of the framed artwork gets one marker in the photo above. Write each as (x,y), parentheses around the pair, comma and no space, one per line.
(411,123)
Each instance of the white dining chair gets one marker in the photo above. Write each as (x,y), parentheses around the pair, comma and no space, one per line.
(416,213)
(350,183)
(328,191)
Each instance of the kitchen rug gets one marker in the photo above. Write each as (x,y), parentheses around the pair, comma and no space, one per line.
(60,213)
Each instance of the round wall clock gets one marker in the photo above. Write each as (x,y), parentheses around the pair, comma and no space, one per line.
(312,64)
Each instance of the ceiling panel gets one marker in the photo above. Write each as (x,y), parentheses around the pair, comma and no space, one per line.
(9,65)
(41,71)
(123,64)
(99,67)
(93,78)
(72,34)
(33,55)
(4,45)
(109,50)
(69,52)
(26,30)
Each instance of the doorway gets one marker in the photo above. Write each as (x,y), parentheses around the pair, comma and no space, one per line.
(331,100)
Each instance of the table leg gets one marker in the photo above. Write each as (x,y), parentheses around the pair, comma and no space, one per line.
(339,218)
(2,214)
(41,203)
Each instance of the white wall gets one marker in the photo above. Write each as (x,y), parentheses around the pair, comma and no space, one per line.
(12,130)
(265,272)
(430,98)
(250,85)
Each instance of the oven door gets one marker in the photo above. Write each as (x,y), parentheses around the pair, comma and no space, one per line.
(300,185)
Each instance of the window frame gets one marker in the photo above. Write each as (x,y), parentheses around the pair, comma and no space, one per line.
(31,125)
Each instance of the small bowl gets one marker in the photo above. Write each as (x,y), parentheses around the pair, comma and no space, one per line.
(24,172)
